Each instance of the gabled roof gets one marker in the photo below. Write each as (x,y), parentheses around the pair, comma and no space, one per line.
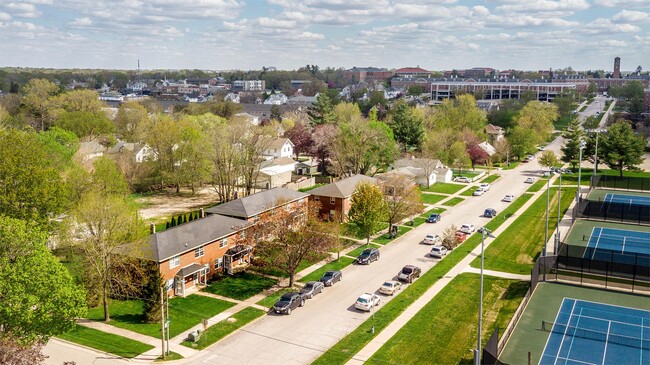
(188,236)
(255,204)
(342,188)
(278,143)
(280,161)
(417,162)
(487,148)
(493,129)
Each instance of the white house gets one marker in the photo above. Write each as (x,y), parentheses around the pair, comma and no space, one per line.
(487,148)
(252,119)
(276,99)
(232,97)
(280,147)
(275,173)
(423,169)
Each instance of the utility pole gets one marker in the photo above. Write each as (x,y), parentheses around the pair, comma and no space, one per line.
(557,229)
(168,321)
(162,320)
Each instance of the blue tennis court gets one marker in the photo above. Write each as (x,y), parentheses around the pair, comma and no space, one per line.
(618,245)
(627,199)
(595,333)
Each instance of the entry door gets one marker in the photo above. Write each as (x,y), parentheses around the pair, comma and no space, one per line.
(179,287)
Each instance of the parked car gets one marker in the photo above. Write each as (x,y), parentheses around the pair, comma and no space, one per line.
(438,251)
(542,148)
(478,192)
(434,218)
(331,277)
(566,171)
(431,239)
(390,287)
(530,157)
(463,179)
(526,159)
(311,289)
(508,198)
(367,256)
(490,213)
(529,180)
(409,273)
(366,301)
(460,236)
(288,302)
(485,187)
(467,228)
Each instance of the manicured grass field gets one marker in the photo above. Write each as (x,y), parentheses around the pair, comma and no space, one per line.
(333,265)
(384,238)
(184,312)
(348,346)
(453,201)
(418,221)
(357,252)
(222,329)
(432,198)
(444,188)
(517,247)
(453,328)
(490,179)
(240,286)
(469,191)
(467,173)
(171,356)
(106,342)
(537,186)
(350,230)
(562,123)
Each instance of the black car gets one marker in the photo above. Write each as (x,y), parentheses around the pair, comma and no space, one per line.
(433,218)
(368,255)
(331,277)
(288,302)
(311,289)
(490,213)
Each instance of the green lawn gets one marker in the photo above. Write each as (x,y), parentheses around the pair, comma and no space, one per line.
(584,107)
(562,123)
(222,329)
(356,252)
(348,346)
(432,211)
(240,286)
(444,188)
(273,271)
(184,313)
(469,191)
(171,356)
(537,185)
(106,342)
(490,179)
(350,230)
(453,201)
(453,328)
(310,187)
(586,175)
(467,173)
(432,198)
(333,265)
(272,298)
(517,247)
(418,221)
(384,238)
(513,164)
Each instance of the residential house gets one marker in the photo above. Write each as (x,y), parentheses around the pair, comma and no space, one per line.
(252,119)
(141,151)
(307,167)
(424,168)
(279,147)
(276,172)
(232,97)
(254,206)
(276,99)
(494,133)
(301,100)
(89,151)
(249,85)
(334,198)
(488,148)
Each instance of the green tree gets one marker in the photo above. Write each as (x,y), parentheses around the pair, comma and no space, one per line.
(151,292)
(407,128)
(521,140)
(38,297)
(622,148)
(402,198)
(346,112)
(39,102)
(458,114)
(30,187)
(321,112)
(129,116)
(84,124)
(367,209)
(592,89)
(82,100)
(60,146)
(548,159)
(276,112)
(538,118)
(415,90)
(571,149)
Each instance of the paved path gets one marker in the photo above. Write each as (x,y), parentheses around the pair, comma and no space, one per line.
(498,274)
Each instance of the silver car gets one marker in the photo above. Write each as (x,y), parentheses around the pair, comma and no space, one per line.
(438,251)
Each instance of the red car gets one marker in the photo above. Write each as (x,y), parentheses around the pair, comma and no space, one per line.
(461,236)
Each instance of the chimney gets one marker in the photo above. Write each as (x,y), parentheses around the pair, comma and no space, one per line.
(201,213)
(152,228)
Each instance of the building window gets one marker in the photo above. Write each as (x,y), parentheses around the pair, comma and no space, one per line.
(174,262)
(332,200)
(316,198)
(223,242)
(218,263)
(199,252)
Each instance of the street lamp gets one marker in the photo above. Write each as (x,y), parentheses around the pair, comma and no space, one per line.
(548,194)
(581,147)
(557,228)
(596,152)
(477,353)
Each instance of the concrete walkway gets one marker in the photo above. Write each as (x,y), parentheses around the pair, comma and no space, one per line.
(498,274)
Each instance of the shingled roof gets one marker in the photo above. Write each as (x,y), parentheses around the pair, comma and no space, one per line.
(342,188)
(255,204)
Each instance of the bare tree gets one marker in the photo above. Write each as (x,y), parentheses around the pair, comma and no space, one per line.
(254,141)
(449,238)
(402,198)
(225,160)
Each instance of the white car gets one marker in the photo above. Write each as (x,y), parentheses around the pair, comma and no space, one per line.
(462,179)
(438,251)
(366,301)
(509,198)
(478,192)
(390,287)
(529,180)
(485,187)
(431,239)
(467,228)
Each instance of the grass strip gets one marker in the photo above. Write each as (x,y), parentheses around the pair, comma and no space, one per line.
(385,238)
(490,179)
(453,201)
(516,248)
(106,342)
(453,327)
(469,191)
(240,286)
(432,211)
(432,198)
(537,186)
(332,265)
(172,356)
(272,298)
(418,221)
(222,329)
(349,345)
(444,188)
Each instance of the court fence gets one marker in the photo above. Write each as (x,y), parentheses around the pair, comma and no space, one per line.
(611,212)
(620,183)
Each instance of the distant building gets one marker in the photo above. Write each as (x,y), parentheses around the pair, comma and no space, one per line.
(368,74)
(249,85)
(617,68)
(412,72)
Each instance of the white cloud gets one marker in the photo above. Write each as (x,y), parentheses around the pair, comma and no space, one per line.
(537,6)
(620,3)
(605,26)
(613,43)
(81,22)
(4,16)
(631,16)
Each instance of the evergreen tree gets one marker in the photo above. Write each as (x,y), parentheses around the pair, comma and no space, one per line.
(151,294)
(571,149)
(407,128)
(321,112)
(167,225)
(173,222)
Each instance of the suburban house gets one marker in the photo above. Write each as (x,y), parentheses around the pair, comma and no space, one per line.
(252,207)
(279,147)
(307,167)
(423,168)
(189,254)
(232,97)
(249,118)
(334,198)
(276,172)
(89,150)
(495,133)
(488,148)
(276,99)
(141,151)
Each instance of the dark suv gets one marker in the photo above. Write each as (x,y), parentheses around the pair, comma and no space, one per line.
(368,255)
(433,218)
(409,273)
(288,302)
(331,277)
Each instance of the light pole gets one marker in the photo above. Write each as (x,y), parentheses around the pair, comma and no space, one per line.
(477,352)
(557,229)
(581,147)
(548,195)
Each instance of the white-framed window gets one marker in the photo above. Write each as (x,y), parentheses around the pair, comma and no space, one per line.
(199,252)
(332,200)
(218,263)
(170,284)
(174,262)
(287,207)
(223,243)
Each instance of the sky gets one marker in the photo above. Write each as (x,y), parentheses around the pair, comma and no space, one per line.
(287,34)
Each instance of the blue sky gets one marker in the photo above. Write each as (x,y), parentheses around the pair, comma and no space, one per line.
(249,34)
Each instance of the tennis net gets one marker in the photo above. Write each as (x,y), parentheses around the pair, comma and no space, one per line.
(564,329)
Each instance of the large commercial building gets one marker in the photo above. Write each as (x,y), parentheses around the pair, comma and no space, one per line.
(368,74)
(544,91)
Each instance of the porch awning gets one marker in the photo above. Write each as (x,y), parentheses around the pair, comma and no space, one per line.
(189,270)
(238,250)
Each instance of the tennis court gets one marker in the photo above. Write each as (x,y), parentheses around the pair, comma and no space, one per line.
(617,245)
(595,333)
(627,199)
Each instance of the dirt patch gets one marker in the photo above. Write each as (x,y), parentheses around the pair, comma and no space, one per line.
(165,204)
